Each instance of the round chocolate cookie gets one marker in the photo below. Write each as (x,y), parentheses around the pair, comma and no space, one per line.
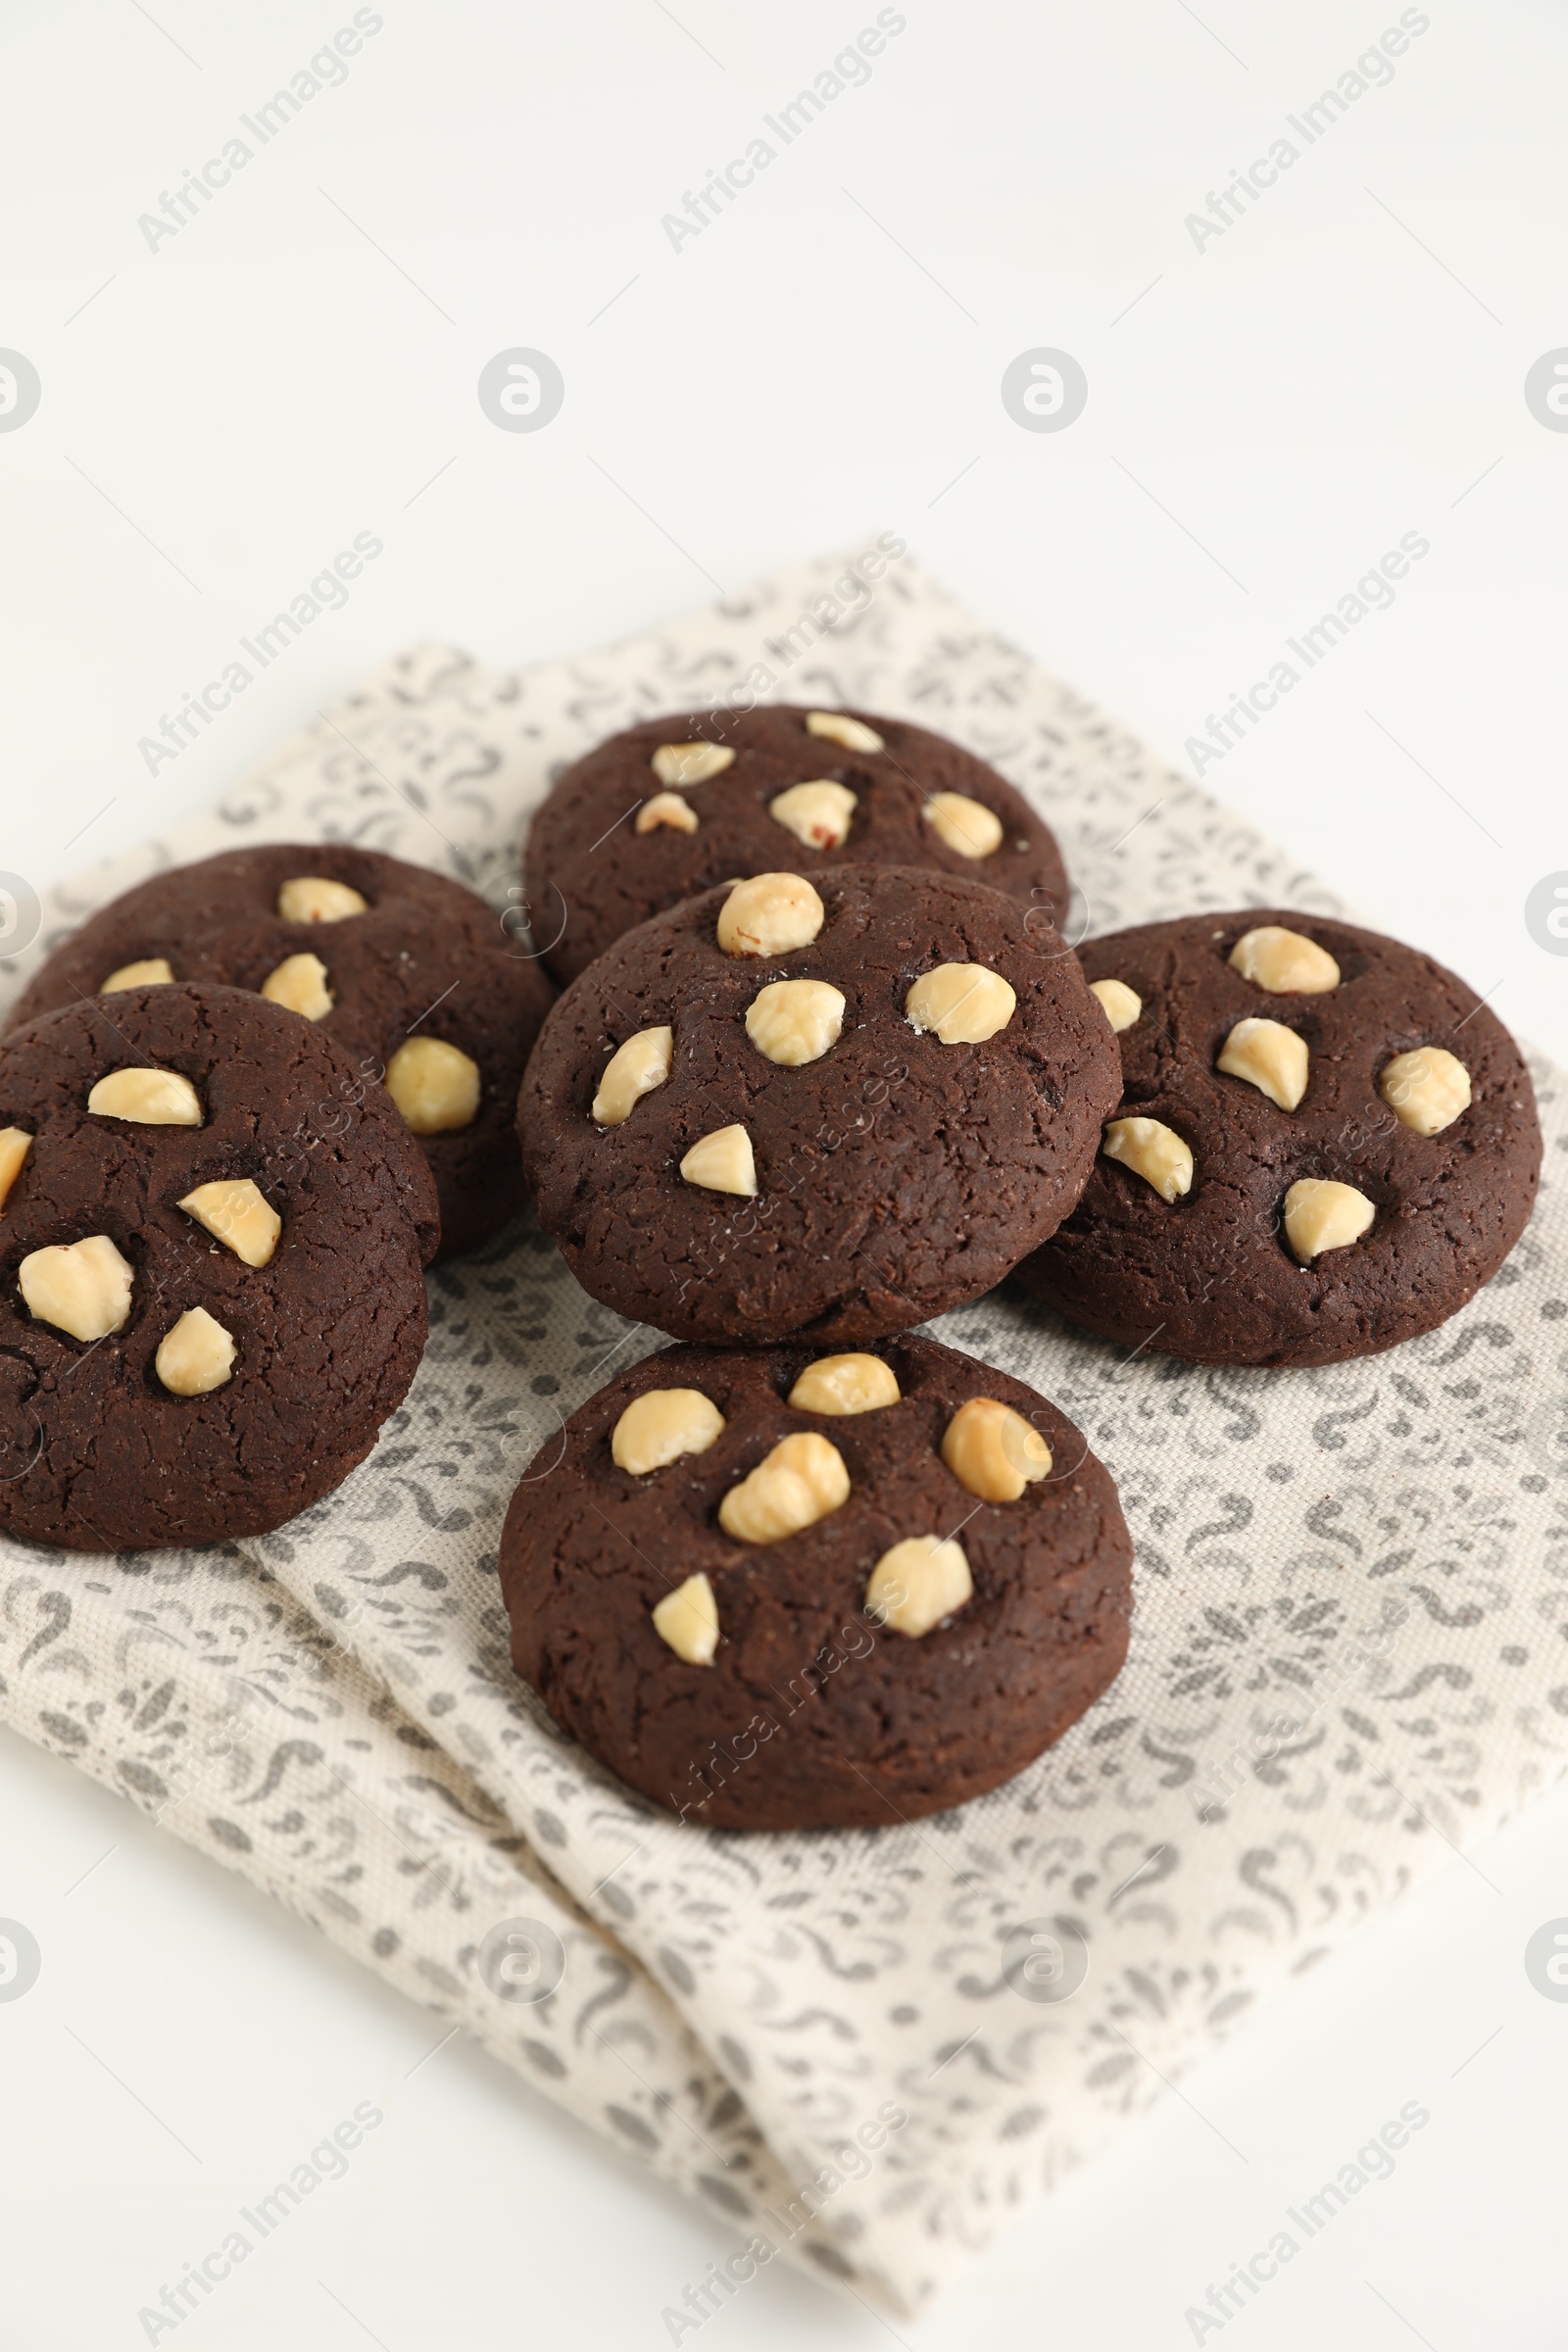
(409,973)
(1325,1145)
(780,1592)
(210,1293)
(677,804)
(776,1112)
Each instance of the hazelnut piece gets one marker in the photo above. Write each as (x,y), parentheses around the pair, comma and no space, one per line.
(993,1450)
(1320,1215)
(844,1384)
(963,1003)
(80,1287)
(919,1582)
(633,1070)
(195,1354)
(1120,1004)
(151,971)
(148,1098)
(793,1021)
(1286,962)
(816,813)
(1152,1151)
(688,1620)
(966,826)
(837,726)
(299,983)
(237,1213)
(768,915)
(1426,1090)
(800,1481)
(690,762)
(660,1425)
(435,1085)
(722,1163)
(1269,1056)
(313,898)
(15,1145)
(666,808)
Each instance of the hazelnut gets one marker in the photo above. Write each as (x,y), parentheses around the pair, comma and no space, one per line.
(194,1355)
(844,1384)
(149,1097)
(659,1426)
(993,1450)
(237,1213)
(816,813)
(836,726)
(688,1620)
(299,983)
(15,1145)
(769,914)
(435,1085)
(313,898)
(795,1021)
(1286,962)
(82,1287)
(690,762)
(722,1163)
(1427,1089)
(800,1481)
(963,1003)
(1269,1056)
(633,1070)
(966,826)
(1122,1004)
(152,971)
(1322,1215)
(1153,1152)
(918,1583)
(666,808)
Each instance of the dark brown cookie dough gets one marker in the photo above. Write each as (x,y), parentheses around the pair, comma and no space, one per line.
(815,1712)
(425,961)
(590,876)
(1213,1276)
(895,1175)
(96,1450)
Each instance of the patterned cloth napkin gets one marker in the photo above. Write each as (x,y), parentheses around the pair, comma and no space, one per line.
(862,2048)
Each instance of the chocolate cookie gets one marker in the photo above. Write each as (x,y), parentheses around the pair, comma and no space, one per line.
(677,804)
(412,974)
(775,1591)
(776,1112)
(211,1246)
(1325,1143)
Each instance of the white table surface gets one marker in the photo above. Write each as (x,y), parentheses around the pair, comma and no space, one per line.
(1267,413)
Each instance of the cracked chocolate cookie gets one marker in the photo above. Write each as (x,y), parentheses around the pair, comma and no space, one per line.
(781,1111)
(777,1590)
(211,1236)
(1325,1143)
(409,973)
(677,804)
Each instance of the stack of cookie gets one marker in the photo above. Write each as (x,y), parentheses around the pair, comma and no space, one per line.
(823,1068)
(241,1110)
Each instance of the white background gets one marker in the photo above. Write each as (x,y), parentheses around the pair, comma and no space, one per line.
(1266,417)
